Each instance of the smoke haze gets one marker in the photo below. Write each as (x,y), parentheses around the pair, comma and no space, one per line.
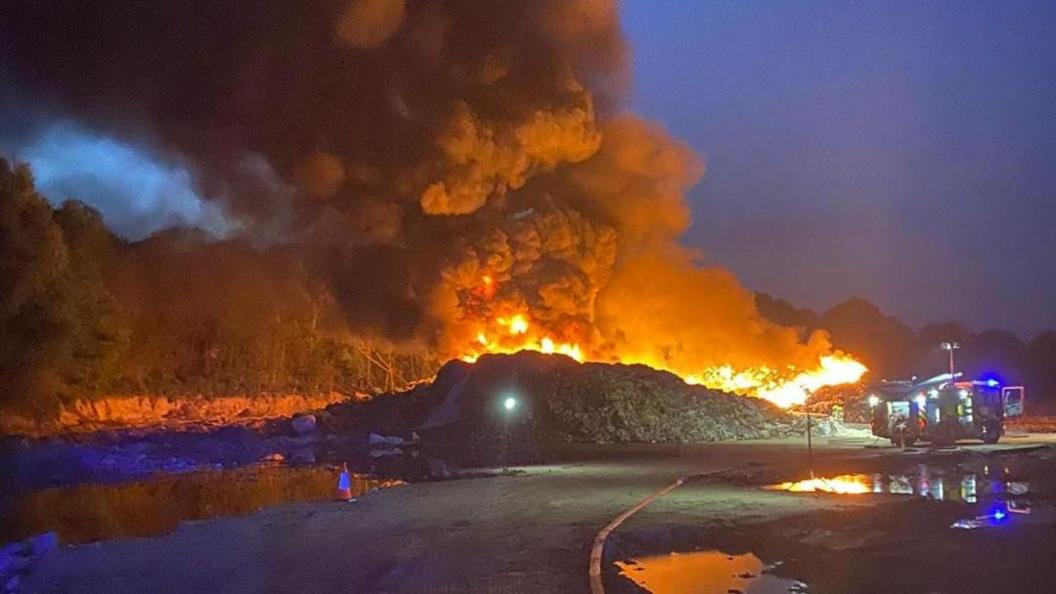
(397,154)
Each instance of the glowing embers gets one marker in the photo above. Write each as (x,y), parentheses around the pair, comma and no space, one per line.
(706,572)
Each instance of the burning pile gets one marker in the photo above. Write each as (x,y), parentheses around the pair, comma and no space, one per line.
(515,333)
(460,177)
(536,397)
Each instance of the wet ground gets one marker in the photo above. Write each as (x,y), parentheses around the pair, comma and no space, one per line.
(969,481)
(119,456)
(955,521)
(157,505)
(531,532)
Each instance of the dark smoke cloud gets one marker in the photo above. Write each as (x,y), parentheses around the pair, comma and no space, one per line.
(367,23)
(408,149)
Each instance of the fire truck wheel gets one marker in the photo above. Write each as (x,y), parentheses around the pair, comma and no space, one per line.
(991,434)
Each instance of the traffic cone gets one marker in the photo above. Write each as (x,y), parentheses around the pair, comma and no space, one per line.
(344,485)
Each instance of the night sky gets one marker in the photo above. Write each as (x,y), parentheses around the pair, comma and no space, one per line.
(900,151)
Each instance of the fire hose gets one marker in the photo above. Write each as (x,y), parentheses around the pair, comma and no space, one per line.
(596,585)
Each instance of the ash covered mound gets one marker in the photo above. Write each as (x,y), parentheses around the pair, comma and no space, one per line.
(531,396)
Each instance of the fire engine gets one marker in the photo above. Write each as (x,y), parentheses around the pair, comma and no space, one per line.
(943,409)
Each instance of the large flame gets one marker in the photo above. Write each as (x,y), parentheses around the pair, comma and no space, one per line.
(512,332)
(783,389)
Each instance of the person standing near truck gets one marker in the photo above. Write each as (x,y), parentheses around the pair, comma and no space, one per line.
(837,411)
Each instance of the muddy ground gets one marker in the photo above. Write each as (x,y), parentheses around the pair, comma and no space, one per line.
(531,531)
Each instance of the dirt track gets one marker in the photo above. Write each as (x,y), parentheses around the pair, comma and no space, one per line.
(525,533)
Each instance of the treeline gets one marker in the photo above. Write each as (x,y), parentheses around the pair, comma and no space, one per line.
(893,350)
(84,313)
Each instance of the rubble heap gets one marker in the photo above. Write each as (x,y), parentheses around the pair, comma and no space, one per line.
(555,398)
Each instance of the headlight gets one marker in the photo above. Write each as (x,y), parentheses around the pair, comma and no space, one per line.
(873,400)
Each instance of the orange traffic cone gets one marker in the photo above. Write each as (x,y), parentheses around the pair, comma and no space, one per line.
(344,485)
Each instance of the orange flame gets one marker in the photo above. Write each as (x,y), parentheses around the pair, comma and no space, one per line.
(514,332)
(783,390)
(513,336)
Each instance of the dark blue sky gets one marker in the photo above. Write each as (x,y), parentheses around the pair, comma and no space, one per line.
(901,151)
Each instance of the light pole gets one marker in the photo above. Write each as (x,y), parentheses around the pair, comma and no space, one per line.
(508,404)
(810,441)
(951,346)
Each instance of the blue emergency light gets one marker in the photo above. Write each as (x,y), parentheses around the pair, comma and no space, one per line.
(998,514)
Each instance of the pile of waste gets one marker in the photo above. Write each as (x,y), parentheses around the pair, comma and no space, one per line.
(848,403)
(545,397)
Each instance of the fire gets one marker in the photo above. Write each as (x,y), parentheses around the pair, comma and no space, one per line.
(514,331)
(511,334)
(782,390)
(518,324)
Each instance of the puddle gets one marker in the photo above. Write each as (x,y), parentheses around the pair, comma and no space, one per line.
(706,572)
(923,481)
(148,507)
(992,494)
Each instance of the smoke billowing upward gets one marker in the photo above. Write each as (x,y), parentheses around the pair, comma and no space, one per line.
(436,165)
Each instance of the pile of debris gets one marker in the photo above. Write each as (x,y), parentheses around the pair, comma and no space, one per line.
(849,400)
(531,396)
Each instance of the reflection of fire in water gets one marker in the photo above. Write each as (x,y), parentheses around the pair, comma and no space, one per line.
(703,572)
(514,331)
(90,512)
(969,487)
(847,484)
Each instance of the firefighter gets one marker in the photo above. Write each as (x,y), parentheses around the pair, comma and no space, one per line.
(837,411)
(899,430)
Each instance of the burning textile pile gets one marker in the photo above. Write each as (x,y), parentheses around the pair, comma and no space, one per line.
(460,178)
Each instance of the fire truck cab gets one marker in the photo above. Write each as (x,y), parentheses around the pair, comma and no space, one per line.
(943,409)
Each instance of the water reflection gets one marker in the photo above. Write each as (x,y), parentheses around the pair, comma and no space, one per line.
(705,572)
(967,487)
(85,513)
